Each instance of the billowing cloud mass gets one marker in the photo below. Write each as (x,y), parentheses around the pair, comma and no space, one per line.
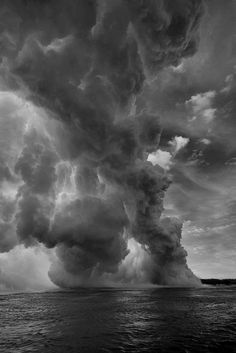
(76,133)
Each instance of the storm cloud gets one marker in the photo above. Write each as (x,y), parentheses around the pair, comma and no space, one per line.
(82,179)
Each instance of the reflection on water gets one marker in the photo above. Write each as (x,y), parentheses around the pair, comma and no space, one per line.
(112,320)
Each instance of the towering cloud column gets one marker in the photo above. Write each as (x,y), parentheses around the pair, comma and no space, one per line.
(85,186)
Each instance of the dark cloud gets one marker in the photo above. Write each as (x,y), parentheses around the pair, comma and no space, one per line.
(36,164)
(32,219)
(86,63)
(165,31)
(91,230)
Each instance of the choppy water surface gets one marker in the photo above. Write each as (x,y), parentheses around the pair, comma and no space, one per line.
(109,320)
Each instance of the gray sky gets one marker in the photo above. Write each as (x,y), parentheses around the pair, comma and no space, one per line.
(95,97)
(196,100)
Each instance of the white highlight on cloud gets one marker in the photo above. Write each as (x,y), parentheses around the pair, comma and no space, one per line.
(58,45)
(135,267)
(180,68)
(200,107)
(205,141)
(178,143)
(229,82)
(201,101)
(17,116)
(164,158)
(209,114)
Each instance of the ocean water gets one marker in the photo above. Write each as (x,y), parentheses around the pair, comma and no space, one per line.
(119,320)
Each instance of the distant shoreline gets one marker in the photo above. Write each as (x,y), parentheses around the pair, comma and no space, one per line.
(215,281)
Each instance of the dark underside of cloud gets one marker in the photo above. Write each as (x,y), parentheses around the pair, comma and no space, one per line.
(83,184)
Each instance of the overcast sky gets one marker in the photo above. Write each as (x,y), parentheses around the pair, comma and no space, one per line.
(94,98)
(197,101)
